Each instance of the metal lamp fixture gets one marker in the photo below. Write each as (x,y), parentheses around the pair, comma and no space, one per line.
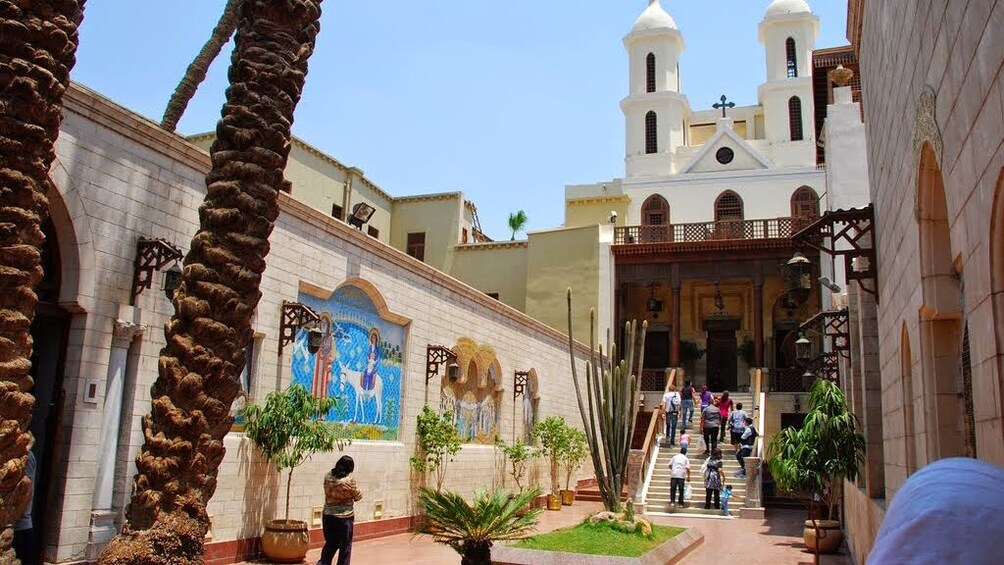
(798,277)
(803,349)
(654,305)
(314,338)
(361,213)
(172,280)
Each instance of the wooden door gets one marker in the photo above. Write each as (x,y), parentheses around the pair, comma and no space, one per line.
(722,358)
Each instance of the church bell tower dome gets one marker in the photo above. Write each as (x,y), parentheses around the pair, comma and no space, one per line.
(654,17)
(785,7)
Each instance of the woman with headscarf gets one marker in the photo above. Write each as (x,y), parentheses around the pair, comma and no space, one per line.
(340,495)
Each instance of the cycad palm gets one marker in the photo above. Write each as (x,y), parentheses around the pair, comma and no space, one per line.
(472,528)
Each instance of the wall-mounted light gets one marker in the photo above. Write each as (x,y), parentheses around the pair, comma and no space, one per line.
(295,316)
(152,255)
(172,280)
(654,305)
(436,355)
(797,273)
(361,213)
(803,349)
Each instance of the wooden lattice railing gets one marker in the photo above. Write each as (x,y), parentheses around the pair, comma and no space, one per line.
(772,228)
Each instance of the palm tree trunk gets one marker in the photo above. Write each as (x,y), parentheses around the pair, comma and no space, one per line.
(38,45)
(476,554)
(206,338)
(196,72)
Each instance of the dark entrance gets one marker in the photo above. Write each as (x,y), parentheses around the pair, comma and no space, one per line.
(722,354)
(49,330)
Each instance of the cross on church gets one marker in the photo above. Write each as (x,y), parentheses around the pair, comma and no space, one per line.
(723,105)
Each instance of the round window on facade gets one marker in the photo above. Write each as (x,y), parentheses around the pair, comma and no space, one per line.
(725,155)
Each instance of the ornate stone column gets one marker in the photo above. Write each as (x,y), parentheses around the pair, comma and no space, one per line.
(102,518)
(753,505)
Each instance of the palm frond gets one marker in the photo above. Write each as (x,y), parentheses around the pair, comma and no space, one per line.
(491,517)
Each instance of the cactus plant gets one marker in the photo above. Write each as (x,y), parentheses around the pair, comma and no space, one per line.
(609,409)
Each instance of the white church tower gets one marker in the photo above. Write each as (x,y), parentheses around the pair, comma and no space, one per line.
(654,109)
(788,33)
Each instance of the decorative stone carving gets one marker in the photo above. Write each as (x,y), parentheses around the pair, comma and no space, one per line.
(124,332)
(925,125)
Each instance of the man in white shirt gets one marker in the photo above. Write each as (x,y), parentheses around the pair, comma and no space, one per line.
(671,406)
(679,474)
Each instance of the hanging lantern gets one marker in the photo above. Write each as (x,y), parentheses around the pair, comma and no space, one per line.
(797,274)
(803,349)
(172,280)
(314,338)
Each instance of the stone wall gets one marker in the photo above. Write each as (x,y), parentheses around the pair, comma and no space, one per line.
(117,178)
(933,98)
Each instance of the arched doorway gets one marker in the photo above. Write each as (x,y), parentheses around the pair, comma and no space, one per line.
(948,399)
(49,332)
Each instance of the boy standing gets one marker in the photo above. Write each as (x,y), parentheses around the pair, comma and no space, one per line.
(726,495)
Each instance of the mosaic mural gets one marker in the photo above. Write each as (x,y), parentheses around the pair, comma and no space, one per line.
(359,361)
(474,398)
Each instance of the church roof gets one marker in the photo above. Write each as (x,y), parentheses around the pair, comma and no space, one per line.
(654,17)
(784,7)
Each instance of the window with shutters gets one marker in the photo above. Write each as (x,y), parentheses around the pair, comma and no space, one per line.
(791,57)
(651,134)
(650,73)
(655,211)
(728,207)
(805,203)
(416,245)
(795,118)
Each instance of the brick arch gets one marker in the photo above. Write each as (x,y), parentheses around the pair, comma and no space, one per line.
(941,315)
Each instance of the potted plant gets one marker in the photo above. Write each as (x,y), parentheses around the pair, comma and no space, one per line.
(812,462)
(438,441)
(575,453)
(472,529)
(519,455)
(553,436)
(287,430)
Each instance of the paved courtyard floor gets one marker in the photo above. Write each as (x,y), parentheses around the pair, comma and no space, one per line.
(774,541)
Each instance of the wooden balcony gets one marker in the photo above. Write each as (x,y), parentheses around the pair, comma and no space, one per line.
(731,230)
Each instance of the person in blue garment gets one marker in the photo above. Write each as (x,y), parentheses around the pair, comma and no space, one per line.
(372,360)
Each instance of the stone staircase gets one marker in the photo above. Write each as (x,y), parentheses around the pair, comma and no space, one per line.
(657,497)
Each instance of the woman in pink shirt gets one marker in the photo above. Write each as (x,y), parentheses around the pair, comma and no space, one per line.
(724,408)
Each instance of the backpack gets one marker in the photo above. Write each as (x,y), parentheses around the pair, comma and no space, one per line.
(674,404)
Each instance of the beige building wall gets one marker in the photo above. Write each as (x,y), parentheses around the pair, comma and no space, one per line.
(118,177)
(499,267)
(577,258)
(596,210)
(934,111)
(438,216)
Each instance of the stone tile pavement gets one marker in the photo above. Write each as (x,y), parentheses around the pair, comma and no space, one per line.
(777,540)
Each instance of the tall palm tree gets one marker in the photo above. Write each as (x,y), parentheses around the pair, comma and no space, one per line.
(472,529)
(206,338)
(517,221)
(196,72)
(38,46)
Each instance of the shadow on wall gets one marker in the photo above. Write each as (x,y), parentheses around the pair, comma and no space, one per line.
(261,490)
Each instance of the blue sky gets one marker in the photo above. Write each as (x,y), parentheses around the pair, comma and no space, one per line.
(506,101)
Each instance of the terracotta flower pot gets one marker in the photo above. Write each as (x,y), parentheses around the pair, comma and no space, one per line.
(285,541)
(829,538)
(554,502)
(567,497)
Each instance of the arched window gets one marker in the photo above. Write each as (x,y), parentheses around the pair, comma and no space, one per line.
(728,207)
(795,118)
(655,211)
(650,73)
(791,57)
(805,204)
(651,133)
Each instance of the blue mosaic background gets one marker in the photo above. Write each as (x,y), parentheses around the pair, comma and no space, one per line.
(367,415)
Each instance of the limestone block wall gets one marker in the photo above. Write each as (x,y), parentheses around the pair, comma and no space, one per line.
(117,178)
(951,50)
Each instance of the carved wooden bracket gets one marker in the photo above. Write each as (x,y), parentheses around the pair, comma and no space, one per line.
(294,316)
(854,227)
(151,255)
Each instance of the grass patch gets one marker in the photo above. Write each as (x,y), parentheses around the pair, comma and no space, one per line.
(599,539)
